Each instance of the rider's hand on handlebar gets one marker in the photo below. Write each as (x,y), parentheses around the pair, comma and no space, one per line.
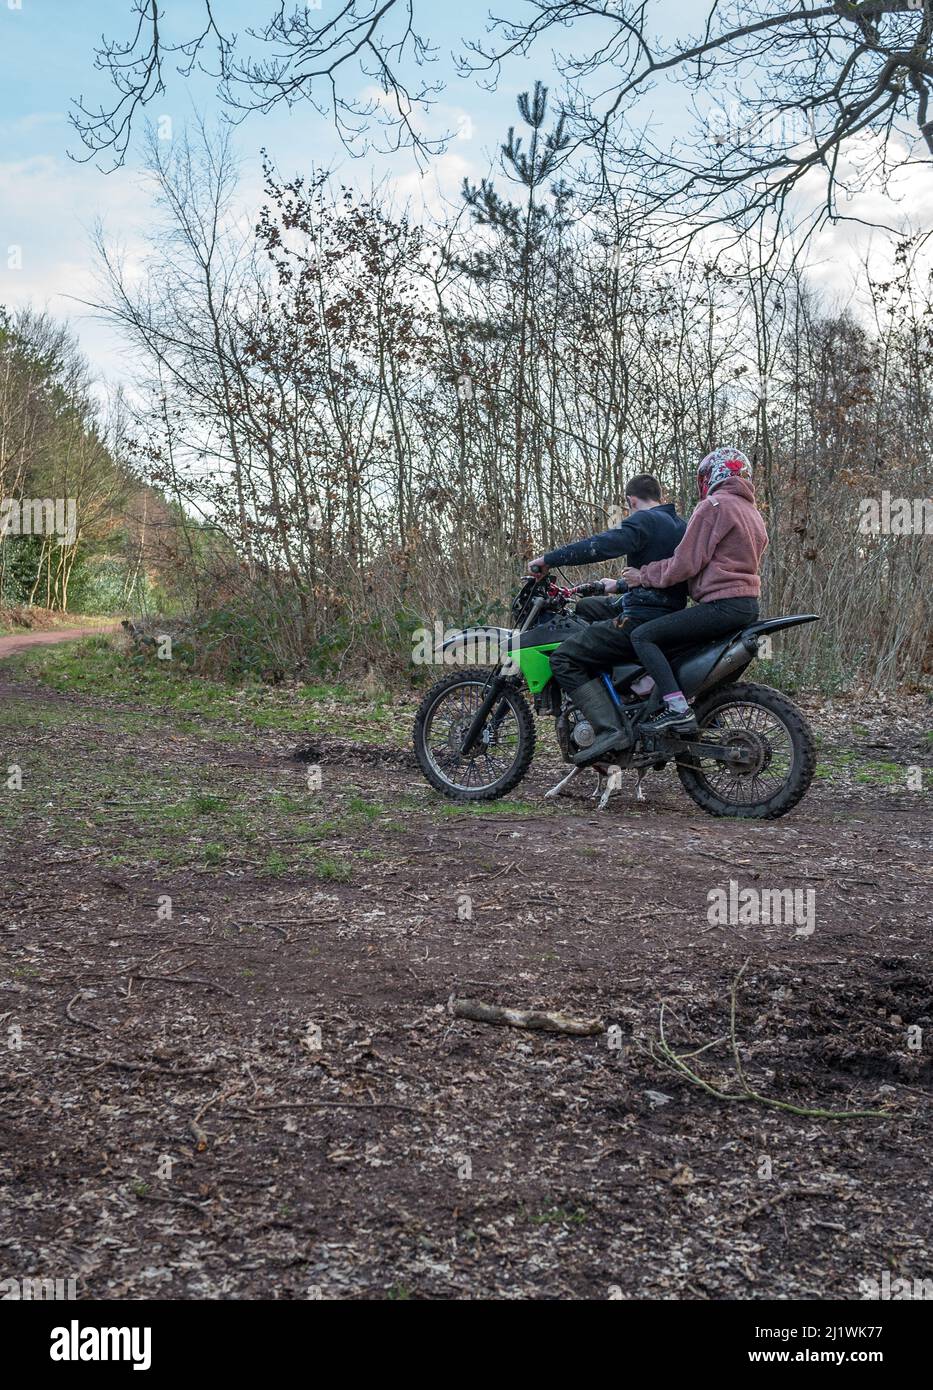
(537,567)
(609,586)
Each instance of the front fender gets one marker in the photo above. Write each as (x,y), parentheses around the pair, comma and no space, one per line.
(482,646)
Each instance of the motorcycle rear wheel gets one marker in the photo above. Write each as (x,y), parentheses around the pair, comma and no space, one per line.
(780,755)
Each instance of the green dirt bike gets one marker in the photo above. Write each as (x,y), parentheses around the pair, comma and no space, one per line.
(752,755)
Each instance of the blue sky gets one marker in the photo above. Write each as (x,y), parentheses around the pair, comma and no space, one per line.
(49,204)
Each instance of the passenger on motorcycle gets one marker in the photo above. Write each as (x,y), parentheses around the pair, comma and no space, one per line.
(719,559)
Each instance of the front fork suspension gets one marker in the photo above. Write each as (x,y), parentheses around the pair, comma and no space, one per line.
(496,687)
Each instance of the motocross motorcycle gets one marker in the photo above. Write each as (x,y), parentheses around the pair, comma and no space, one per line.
(752,754)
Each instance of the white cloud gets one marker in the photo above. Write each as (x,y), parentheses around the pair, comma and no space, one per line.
(431,193)
(837,252)
(48,207)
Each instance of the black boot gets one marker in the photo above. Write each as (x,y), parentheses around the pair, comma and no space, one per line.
(595,703)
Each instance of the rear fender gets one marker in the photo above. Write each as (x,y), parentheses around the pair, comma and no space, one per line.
(713,665)
(775,624)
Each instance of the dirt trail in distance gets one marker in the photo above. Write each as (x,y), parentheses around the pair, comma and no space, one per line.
(20,641)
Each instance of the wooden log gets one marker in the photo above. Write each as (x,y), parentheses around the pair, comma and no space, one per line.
(543,1020)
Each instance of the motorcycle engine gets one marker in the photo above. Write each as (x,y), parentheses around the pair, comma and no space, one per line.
(583,733)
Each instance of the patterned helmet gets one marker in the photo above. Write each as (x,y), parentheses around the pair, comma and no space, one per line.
(721,465)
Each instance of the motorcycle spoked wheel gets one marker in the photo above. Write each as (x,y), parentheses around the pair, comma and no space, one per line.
(501,756)
(779,755)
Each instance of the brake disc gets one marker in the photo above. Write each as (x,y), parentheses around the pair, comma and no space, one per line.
(458,732)
(754,753)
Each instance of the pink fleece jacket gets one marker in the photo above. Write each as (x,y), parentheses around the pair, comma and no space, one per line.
(721,549)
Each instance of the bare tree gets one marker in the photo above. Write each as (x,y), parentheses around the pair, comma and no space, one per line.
(298,54)
(840,89)
(777,92)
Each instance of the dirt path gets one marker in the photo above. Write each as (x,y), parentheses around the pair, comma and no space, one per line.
(20,641)
(231,1072)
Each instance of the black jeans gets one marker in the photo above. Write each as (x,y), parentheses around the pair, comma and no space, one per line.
(597,610)
(598,648)
(690,627)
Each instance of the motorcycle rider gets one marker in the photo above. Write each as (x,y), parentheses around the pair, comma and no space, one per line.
(650,533)
(719,557)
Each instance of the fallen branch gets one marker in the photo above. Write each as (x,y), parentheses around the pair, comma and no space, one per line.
(141,1066)
(201,1139)
(660,1051)
(175,1201)
(769,1203)
(258,1110)
(540,1019)
(83,1022)
(494,873)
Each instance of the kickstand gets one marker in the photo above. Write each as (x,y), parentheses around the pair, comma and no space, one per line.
(556,790)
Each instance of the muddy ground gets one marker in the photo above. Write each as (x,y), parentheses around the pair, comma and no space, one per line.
(263,1095)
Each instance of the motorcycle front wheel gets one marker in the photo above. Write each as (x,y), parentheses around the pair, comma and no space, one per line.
(501,755)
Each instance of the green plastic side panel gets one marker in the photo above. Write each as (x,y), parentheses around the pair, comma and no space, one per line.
(536,666)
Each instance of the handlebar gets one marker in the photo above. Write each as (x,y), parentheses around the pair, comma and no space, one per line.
(596,587)
(542,588)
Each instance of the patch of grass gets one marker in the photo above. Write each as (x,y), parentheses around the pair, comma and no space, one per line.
(558,1216)
(292,805)
(332,870)
(846,765)
(885,774)
(275,865)
(137,793)
(100,666)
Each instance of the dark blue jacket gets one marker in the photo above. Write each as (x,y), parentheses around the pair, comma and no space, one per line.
(653,534)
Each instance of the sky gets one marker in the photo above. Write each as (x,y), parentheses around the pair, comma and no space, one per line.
(49,203)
